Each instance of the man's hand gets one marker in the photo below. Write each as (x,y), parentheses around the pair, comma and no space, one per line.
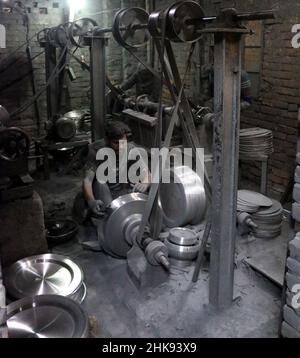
(96,207)
(141,188)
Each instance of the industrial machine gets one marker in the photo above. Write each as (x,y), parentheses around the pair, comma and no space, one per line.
(15,181)
(182,22)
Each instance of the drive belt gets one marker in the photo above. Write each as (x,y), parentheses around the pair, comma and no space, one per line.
(166,144)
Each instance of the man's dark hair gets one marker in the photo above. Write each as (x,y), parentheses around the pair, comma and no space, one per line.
(116,130)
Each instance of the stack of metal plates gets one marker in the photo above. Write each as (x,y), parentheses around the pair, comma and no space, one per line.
(256,143)
(269,221)
(250,201)
(46,317)
(45,275)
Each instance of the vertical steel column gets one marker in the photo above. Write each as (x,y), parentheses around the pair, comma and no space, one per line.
(3,326)
(226,155)
(52,89)
(98,84)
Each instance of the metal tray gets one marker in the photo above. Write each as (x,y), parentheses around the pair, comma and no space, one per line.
(46,317)
(47,274)
(80,295)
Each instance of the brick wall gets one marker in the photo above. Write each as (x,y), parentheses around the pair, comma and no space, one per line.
(276,105)
(50,13)
(41,14)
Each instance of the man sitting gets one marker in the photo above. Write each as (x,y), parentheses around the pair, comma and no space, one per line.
(96,193)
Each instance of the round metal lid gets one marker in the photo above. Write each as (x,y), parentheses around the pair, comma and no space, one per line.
(80,295)
(183,237)
(254,199)
(43,275)
(275,210)
(46,317)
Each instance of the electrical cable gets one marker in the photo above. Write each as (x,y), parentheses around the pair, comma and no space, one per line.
(17,59)
(55,72)
(17,6)
(18,48)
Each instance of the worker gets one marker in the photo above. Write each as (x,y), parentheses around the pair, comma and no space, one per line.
(98,195)
(246,97)
(145,82)
(208,100)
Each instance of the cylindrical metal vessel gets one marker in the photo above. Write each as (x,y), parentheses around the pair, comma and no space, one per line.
(183,200)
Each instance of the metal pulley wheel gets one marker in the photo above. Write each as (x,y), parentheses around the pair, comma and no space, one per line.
(79,29)
(14,144)
(155,249)
(155,24)
(42,36)
(130,27)
(183,200)
(185,22)
(62,34)
(122,223)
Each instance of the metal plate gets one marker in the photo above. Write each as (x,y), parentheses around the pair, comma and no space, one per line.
(183,237)
(43,275)
(46,317)
(183,200)
(253,199)
(80,295)
(275,210)
(256,143)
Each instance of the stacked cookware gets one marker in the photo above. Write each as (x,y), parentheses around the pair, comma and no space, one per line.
(49,290)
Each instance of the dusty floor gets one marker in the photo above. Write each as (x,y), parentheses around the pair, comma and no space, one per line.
(175,307)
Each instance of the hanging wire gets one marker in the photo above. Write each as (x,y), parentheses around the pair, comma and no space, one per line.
(55,72)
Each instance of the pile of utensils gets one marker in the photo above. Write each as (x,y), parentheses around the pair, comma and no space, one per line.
(47,292)
(269,221)
(256,143)
(266,213)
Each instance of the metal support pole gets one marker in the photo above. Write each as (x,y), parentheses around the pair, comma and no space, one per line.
(264,177)
(52,89)
(3,326)
(34,86)
(98,85)
(228,46)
